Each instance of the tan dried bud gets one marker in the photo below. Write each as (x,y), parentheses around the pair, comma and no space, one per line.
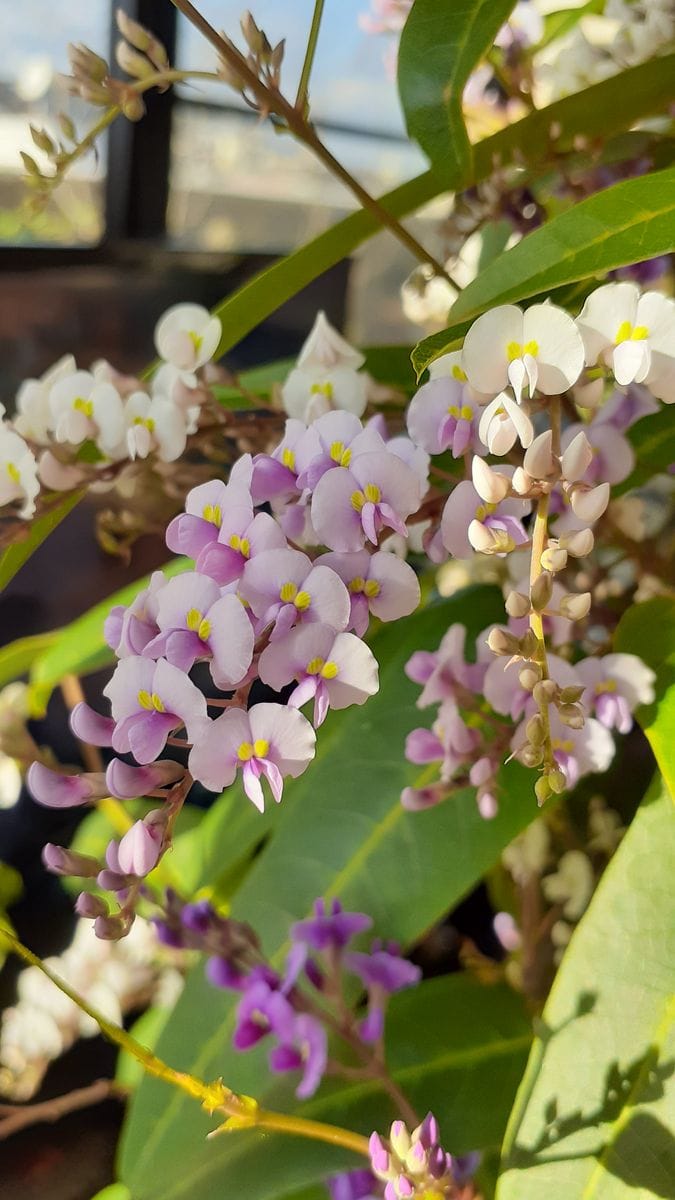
(576,606)
(528,645)
(254,38)
(142,39)
(31,166)
(132,106)
(86,65)
(536,734)
(517,605)
(579,544)
(541,591)
(530,756)
(67,127)
(542,790)
(41,139)
(572,694)
(545,692)
(557,781)
(530,676)
(503,643)
(277,56)
(571,715)
(135,64)
(554,558)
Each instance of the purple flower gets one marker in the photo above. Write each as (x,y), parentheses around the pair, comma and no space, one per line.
(450,741)
(353,1185)
(275,475)
(625,406)
(138,851)
(329,927)
(55,790)
(126,782)
(206,507)
(149,700)
(503,691)
(445,673)
(499,529)
(269,740)
(613,456)
(383,972)
(284,588)
(128,630)
(90,726)
(377,491)
(336,439)
(442,415)
(242,535)
(615,685)
(262,1010)
(334,669)
(380,583)
(303,1046)
(197,622)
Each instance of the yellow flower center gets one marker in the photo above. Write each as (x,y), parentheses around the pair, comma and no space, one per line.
(319,666)
(339,455)
(198,624)
(247,751)
(631,333)
(517,350)
(458,374)
(241,544)
(464,413)
(83,406)
(196,339)
(150,701)
(322,389)
(147,421)
(13,472)
(370,494)
(565,744)
(212,514)
(288,458)
(289,593)
(607,685)
(485,510)
(359,585)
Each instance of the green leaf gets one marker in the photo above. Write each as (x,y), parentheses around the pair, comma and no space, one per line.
(633,220)
(341,831)
(13,558)
(557,24)
(593,1116)
(115,1191)
(441,43)
(11,887)
(653,440)
(601,110)
(648,630)
(17,657)
(80,648)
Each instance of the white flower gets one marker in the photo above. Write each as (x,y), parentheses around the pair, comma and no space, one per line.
(168,383)
(18,472)
(539,348)
(633,334)
(10,781)
(326,376)
(187,336)
(154,424)
(502,422)
(83,408)
(33,415)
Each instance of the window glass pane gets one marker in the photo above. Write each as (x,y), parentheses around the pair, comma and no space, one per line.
(352,79)
(35,35)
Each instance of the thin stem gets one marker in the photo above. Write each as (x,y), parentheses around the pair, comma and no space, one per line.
(272,101)
(315,1130)
(539,539)
(303,86)
(14,1117)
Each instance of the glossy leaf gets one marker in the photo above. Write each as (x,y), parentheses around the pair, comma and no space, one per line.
(653,440)
(441,43)
(340,831)
(80,647)
(13,558)
(603,109)
(563,21)
(632,219)
(593,1117)
(17,657)
(648,630)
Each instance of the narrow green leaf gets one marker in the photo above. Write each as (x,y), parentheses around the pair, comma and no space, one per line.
(593,1116)
(339,831)
(441,43)
(17,657)
(557,24)
(648,630)
(80,648)
(114,1191)
(13,558)
(653,440)
(603,109)
(633,220)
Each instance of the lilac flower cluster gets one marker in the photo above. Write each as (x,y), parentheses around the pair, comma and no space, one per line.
(415,1164)
(296,1009)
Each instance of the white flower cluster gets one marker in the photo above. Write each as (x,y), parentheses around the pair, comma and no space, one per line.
(115,977)
(71,421)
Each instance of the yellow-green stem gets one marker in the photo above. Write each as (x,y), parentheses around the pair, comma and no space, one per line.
(539,539)
(303,86)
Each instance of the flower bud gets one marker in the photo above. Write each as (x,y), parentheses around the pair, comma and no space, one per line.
(521,482)
(589,394)
(579,544)
(528,645)
(542,790)
(554,558)
(31,166)
(112,929)
(571,694)
(481,538)
(576,606)
(536,734)
(538,460)
(545,692)
(139,849)
(577,458)
(503,643)
(529,676)
(41,139)
(530,756)
(90,726)
(557,781)
(142,39)
(492,486)
(135,64)
(67,127)
(64,791)
(571,715)
(541,591)
(90,906)
(86,65)
(589,504)
(254,37)
(60,861)
(132,106)
(517,605)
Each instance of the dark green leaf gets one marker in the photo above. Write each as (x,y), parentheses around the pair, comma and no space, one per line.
(653,439)
(593,1116)
(441,43)
(631,221)
(13,558)
(648,630)
(340,831)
